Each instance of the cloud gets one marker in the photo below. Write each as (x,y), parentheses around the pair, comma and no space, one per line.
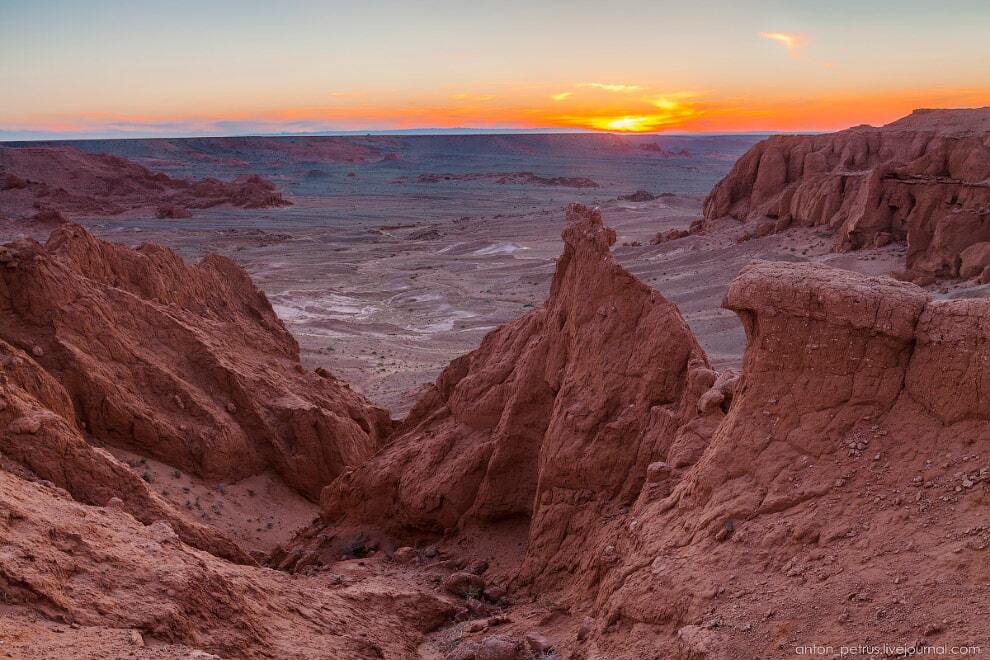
(673,101)
(789,40)
(561,96)
(609,87)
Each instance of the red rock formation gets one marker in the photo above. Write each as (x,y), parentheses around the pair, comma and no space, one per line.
(65,180)
(860,419)
(690,515)
(187,364)
(39,438)
(554,418)
(922,179)
(98,567)
(506,178)
(819,496)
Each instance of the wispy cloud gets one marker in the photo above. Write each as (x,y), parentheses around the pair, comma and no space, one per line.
(562,96)
(789,40)
(611,87)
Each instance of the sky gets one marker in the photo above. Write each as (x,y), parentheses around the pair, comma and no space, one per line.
(114,68)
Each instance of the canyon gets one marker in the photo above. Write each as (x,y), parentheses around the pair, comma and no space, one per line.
(707,447)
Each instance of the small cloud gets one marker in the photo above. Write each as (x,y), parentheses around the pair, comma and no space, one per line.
(672,101)
(608,87)
(348,95)
(562,96)
(789,40)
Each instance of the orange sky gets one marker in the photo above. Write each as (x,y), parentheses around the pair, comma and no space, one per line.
(113,68)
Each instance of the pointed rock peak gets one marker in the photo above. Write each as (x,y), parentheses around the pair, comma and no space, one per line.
(586,229)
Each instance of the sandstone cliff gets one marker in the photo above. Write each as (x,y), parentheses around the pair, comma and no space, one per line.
(834,490)
(924,179)
(39,439)
(187,364)
(565,406)
(688,514)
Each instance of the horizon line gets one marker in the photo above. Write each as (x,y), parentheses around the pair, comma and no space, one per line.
(406,132)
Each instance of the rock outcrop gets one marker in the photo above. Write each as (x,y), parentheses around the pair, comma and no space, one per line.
(819,495)
(186,364)
(860,419)
(924,179)
(563,408)
(692,514)
(39,439)
(35,181)
(98,568)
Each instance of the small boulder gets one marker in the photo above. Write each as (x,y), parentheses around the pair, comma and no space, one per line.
(463,583)
(404,555)
(500,647)
(587,625)
(136,638)
(974,259)
(494,594)
(475,626)
(464,651)
(478,567)
(537,643)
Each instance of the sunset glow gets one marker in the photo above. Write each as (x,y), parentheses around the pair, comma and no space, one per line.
(185,68)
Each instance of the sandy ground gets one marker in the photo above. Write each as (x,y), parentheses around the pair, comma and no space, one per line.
(258,512)
(25,634)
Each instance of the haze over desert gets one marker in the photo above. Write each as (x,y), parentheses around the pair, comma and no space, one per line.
(506,331)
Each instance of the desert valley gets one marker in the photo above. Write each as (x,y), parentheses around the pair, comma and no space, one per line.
(496,396)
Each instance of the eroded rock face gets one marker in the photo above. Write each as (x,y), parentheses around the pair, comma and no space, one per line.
(186,364)
(39,439)
(98,566)
(555,417)
(922,179)
(860,417)
(821,493)
(695,514)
